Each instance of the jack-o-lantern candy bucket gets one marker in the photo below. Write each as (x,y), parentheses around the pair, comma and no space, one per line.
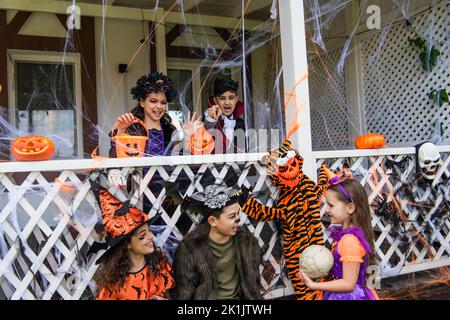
(202,142)
(32,148)
(129,146)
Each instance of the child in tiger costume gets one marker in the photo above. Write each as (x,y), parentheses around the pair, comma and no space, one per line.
(298,205)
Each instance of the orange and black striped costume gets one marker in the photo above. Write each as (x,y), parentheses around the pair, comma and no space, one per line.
(298,205)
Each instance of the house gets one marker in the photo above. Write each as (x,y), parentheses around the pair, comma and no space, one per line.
(319,75)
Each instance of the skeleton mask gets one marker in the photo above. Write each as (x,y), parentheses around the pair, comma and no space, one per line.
(429,160)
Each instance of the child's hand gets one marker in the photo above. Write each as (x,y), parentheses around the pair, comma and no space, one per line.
(306,280)
(125,120)
(191,125)
(214,112)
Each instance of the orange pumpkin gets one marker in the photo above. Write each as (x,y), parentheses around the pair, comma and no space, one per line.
(370,141)
(32,148)
(201,142)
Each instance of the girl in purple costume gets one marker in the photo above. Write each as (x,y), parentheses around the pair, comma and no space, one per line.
(353,245)
(153,93)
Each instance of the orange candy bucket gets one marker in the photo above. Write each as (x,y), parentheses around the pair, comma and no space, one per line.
(201,142)
(129,146)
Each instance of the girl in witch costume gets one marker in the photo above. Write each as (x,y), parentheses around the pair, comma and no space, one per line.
(353,245)
(218,259)
(132,268)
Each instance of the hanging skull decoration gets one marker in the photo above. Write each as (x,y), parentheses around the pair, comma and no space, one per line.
(428,160)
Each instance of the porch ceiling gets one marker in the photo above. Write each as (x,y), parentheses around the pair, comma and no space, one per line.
(257,9)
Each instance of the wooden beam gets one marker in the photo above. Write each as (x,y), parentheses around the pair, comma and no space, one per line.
(252,7)
(194,53)
(3,64)
(226,36)
(18,21)
(153,47)
(174,33)
(95,10)
(63,20)
(85,40)
(160,34)
(190,4)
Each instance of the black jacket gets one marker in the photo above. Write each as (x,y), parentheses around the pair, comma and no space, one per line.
(195,266)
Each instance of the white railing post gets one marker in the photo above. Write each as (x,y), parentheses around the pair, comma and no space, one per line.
(354,77)
(295,77)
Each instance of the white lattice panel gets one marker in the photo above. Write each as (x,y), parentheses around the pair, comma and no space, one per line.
(327,93)
(396,87)
(426,242)
(45,231)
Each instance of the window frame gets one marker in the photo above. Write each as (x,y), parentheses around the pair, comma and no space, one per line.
(194,66)
(30,56)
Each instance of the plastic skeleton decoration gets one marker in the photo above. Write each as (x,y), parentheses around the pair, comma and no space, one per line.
(298,206)
(421,192)
(428,160)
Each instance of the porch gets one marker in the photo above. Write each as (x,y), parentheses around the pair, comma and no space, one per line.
(322,100)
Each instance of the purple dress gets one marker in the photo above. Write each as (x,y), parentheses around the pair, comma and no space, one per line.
(361,292)
(154,145)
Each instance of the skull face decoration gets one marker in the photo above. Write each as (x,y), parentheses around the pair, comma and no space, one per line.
(428,160)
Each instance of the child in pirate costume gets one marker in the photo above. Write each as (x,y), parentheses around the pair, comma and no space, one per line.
(132,267)
(219,259)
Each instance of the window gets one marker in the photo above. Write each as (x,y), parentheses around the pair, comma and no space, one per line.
(208,76)
(46,94)
(195,84)
(182,82)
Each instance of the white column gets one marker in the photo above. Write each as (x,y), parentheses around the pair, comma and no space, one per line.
(295,70)
(160,42)
(354,77)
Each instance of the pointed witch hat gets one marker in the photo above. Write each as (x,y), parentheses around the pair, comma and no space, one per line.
(118,218)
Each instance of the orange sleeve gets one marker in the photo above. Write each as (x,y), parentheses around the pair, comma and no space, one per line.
(350,249)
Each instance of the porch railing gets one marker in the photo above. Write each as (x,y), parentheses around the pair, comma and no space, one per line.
(48,216)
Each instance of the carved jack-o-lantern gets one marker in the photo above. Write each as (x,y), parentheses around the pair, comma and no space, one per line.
(201,142)
(32,148)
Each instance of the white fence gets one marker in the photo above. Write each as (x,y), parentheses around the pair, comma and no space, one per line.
(49,218)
